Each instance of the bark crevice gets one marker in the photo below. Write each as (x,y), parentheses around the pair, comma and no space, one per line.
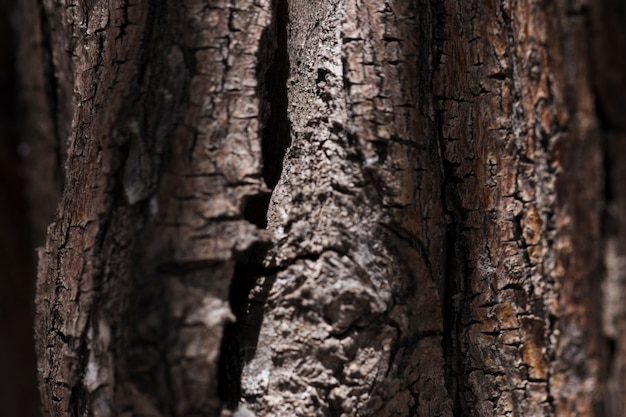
(454,292)
(452,287)
(607,26)
(51,86)
(272,72)
(241,336)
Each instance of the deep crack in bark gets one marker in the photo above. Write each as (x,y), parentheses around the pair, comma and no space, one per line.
(272,73)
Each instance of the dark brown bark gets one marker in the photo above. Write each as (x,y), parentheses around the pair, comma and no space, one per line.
(444,235)
(163,157)
(524,180)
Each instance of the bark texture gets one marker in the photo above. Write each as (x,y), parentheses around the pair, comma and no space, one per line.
(334,208)
(352,316)
(457,123)
(164,156)
(523,188)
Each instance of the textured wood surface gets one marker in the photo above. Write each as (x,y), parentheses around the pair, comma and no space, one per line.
(335,208)
(163,155)
(523,187)
(352,316)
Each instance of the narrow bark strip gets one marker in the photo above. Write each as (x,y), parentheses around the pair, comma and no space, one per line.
(516,125)
(352,318)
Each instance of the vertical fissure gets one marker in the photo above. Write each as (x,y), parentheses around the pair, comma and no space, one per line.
(612,285)
(248,268)
(19,395)
(452,287)
(607,26)
(454,291)
(51,86)
(272,74)
(273,71)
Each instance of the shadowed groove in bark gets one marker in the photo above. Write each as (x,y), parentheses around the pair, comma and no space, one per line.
(8,74)
(454,292)
(273,71)
(272,74)
(247,271)
(452,288)
(52,94)
(18,393)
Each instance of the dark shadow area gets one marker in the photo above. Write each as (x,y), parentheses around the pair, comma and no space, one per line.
(239,336)
(255,209)
(608,65)
(18,386)
(273,72)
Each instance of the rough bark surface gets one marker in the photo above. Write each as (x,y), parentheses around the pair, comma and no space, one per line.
(523,189)
(443,236)
(351,314)
(164,155)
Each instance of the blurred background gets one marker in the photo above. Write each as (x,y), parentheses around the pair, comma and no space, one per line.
(18,383)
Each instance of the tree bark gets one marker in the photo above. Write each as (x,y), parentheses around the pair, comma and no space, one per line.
(163,161)
(336,208)
(608,71)
(352,315)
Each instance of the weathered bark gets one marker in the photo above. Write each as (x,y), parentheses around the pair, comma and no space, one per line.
(444,235)
(458,116)
(352,315)
(163,158)
(523,188)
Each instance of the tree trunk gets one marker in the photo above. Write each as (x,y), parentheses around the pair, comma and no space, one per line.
(334,208)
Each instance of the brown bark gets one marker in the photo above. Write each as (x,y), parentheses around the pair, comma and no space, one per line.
(524,192)
(163,158)
(372,100)
(444,235)
(353,310)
